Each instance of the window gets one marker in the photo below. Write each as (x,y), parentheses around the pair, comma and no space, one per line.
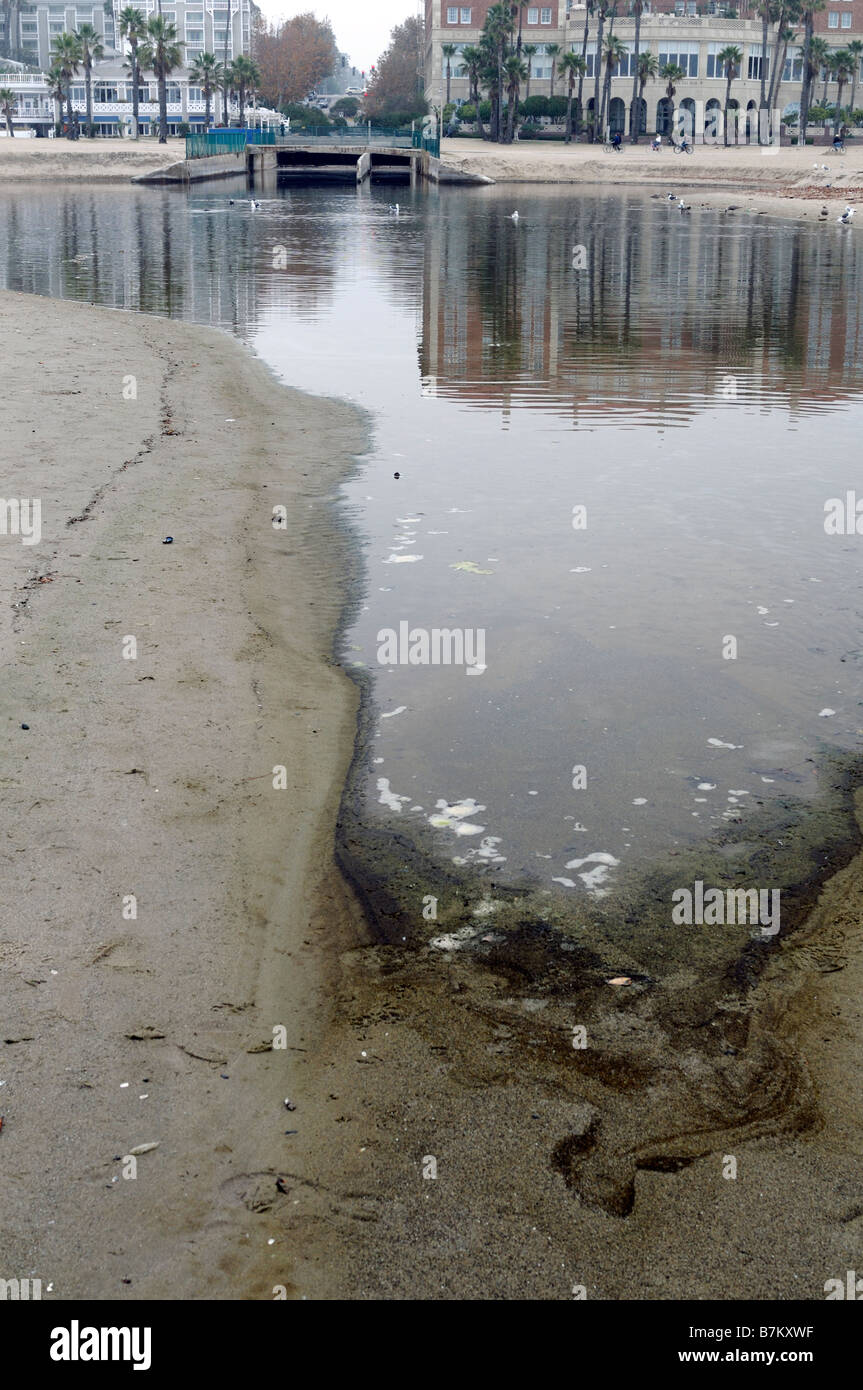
(715,69)
(846,21)
(533,16)
(589,56)
(685,56)
(833,19)
(465,16)
(192,54)
(196,94)
(452,15)
(754,65)
(793,70)
(545,16)
(172,93)
(103,92)
(194,36)
(685,7)
(78,94)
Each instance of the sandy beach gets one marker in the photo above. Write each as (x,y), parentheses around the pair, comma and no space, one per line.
(86,161)
(168,908)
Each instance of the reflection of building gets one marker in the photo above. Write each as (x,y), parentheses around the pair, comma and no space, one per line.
(658,322)
(686,32)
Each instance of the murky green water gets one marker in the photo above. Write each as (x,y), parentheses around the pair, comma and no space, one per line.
(615,429)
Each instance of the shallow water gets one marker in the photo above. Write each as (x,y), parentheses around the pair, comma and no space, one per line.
(692,381)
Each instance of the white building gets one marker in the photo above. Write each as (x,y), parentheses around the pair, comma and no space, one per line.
(200,26)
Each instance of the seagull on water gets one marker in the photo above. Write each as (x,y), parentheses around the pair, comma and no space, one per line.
(394,209)
(684,207)
(514,216)
(845,219)
(672,198)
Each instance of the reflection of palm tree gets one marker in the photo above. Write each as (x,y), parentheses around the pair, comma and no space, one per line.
(729,61)
(571,64)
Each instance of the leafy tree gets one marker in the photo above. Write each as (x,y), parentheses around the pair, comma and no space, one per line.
(206,73)
(729,61)
(397,84)
(66,57)
(133,28)
(529,52)
(345,106)
(572,65)
(161,55)
(245,78)
(7,106)
(90,44)
(670,74)
(808,16)
(293,56)
(449,51)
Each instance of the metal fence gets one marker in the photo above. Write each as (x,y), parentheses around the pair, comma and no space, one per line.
(233,141)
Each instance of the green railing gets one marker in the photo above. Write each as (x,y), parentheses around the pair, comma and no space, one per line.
(215,142)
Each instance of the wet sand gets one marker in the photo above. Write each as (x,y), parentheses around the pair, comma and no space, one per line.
(450,1141)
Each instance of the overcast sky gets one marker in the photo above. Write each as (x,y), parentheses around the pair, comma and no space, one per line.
(362,27)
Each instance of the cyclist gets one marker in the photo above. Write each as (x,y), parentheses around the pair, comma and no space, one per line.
(839,142)
(615,141)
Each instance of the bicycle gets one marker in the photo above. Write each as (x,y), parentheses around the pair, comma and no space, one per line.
(683,149)
(609,148)
(839,149)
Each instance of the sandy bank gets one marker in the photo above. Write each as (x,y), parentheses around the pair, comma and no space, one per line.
(150,1022)
(118,161)
(780,181)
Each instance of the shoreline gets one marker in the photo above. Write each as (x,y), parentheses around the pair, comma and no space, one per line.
(150,778)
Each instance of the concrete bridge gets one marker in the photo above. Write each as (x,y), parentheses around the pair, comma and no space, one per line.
(345,157)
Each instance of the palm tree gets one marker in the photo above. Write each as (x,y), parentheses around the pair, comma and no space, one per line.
(787,14)
(133,28)
(161,55)
(56,91)
(529,52)
(615,52)
(570,65)
(497,32)
(66,55)
(245,78)
(602,8)
(515,72)
(648,67)
(729,59)
(671,73)
(812,8)
(635,111)
(855,48)
(7,105)
(843,66)
(90,43)
(767,12)
(449,51)
(206,73)
(552,51)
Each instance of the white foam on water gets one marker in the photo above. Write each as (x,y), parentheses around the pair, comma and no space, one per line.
(389,798)
(717,743)
(402,559)
(391,714)
(707,786)
(825,713)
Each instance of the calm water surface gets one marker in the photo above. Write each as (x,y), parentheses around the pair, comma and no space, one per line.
(696,388)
